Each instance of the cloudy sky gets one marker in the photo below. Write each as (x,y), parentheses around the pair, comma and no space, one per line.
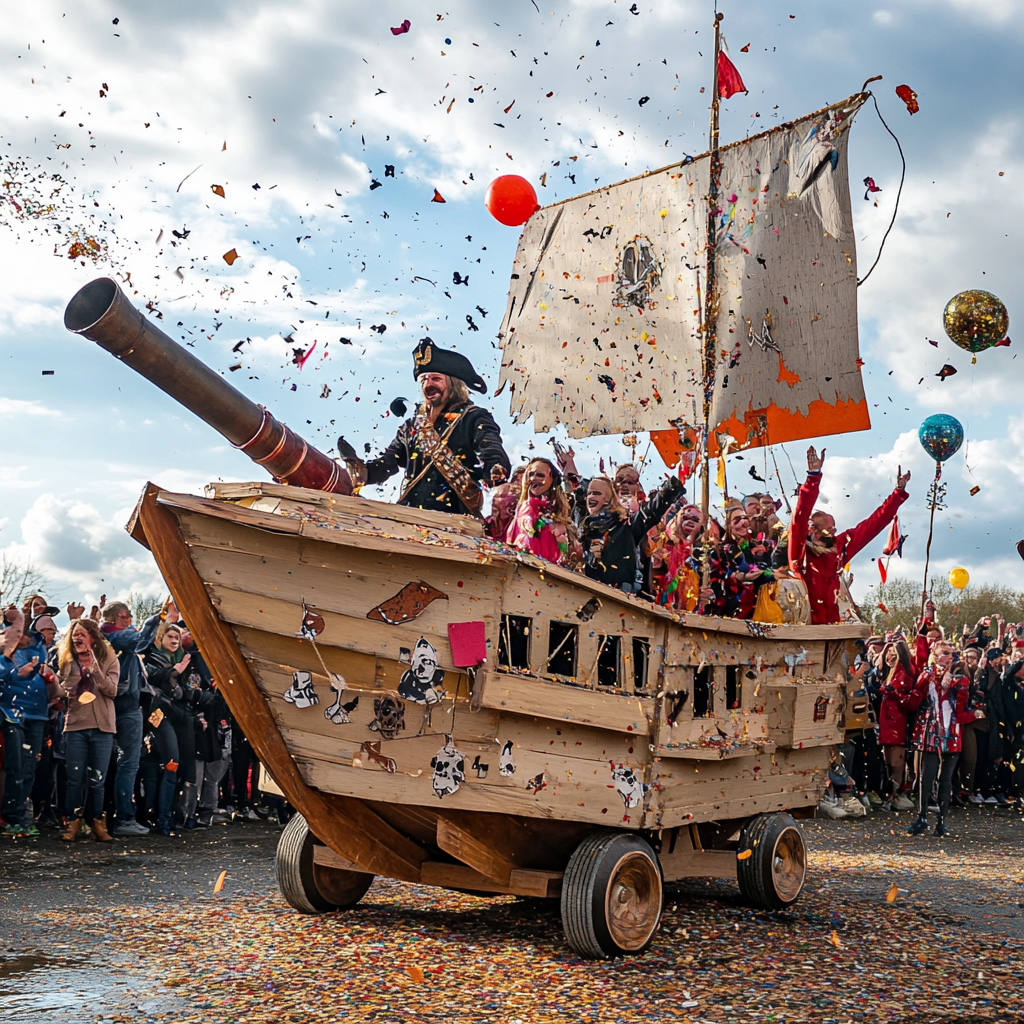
(118,120)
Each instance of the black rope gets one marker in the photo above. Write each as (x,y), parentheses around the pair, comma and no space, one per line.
(903,174)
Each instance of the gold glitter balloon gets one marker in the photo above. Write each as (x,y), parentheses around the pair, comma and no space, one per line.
(975,320)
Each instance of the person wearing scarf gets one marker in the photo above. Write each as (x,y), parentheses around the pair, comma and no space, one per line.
(940,700)
(88,675)
(674,580)
(542,525)
(610,532)
(747,562)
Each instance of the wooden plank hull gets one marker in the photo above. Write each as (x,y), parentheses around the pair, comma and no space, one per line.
(325,621)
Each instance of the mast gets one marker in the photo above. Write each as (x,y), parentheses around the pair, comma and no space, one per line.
(710,293)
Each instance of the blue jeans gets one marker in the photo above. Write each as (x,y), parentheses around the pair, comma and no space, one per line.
(22,743)
(89,753)
(129,750)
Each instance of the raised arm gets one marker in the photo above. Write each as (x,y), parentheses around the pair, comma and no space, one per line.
(806,499)
(863,533)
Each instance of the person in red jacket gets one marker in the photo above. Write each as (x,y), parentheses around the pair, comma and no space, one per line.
(817,553)
(898,679)
(940,699)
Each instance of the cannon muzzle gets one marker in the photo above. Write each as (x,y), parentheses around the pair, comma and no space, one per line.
(103,313)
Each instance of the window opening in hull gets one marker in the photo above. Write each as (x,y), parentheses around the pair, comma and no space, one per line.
(703,687)
(514,643)
(641,659)
(562,643)
(608,661)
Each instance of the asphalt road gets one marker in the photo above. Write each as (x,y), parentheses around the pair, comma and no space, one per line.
(61,961)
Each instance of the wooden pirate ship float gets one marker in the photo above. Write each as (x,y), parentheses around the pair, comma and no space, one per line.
(443,710)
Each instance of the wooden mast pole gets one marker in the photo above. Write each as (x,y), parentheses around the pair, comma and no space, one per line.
(708,328)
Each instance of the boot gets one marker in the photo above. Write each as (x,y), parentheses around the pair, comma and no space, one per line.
(940,826)
(71,832)
(100,828)
(920,825)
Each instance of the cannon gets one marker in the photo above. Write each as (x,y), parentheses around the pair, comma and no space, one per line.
(102,313)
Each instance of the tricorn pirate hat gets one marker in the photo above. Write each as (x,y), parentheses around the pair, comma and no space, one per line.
(428,358)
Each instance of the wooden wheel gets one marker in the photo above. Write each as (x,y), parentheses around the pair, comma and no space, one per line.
(612,896)
(313,888)
(773,875)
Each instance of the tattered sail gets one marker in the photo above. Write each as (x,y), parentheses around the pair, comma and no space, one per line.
(602,328)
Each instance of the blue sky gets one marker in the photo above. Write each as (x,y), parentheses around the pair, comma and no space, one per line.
(312,100)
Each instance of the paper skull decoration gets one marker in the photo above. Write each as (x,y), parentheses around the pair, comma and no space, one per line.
(975,320)
(941,436)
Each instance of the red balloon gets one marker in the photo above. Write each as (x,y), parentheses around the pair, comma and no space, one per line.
(511,200)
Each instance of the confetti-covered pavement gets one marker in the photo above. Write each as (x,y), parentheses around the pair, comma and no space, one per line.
(890,929)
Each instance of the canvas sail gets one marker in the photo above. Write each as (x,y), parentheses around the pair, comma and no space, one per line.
(602,328)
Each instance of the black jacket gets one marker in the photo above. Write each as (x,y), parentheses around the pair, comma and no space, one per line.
(475,441)
(617,562)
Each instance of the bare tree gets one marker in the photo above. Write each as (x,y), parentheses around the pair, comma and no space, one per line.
(19,579)
(142,606)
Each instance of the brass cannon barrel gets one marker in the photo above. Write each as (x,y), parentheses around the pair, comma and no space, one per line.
(103,313)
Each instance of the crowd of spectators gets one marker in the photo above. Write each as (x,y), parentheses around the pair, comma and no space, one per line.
(946,725)
(115,729)
(661,547)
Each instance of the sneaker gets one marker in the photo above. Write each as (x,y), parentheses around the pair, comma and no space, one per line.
(868,805)
(933,807)
(831,810)
(853,807)
(976,798)
(15,831)
(874,799)
(30,830)
(901,802)
(220,814)
(200,822)
(129,828)
(990,800)
(1001,799)
(249,815)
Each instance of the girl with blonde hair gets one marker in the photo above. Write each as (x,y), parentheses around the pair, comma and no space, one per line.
(542,523)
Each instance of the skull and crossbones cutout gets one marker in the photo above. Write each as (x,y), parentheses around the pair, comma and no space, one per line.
(301,693)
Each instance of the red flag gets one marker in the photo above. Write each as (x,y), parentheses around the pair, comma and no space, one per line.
(894,542)
(881,571)
(729,81)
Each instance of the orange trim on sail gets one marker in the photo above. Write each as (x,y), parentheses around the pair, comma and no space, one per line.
(821,420)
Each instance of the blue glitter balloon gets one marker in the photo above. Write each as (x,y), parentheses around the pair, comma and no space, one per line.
(941,436)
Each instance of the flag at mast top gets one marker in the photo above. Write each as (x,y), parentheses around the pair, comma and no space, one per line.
(729,80)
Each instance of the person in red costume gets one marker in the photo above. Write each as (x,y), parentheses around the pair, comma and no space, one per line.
(818,553)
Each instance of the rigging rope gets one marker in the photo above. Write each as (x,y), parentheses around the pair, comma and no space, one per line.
(903,174)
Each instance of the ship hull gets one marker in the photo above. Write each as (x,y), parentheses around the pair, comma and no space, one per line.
(328,625)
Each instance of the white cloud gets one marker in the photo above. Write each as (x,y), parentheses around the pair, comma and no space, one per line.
(21,407)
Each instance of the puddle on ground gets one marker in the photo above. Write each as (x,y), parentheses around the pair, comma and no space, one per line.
(37,986)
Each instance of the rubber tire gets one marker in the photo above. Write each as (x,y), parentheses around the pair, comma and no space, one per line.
(584,890)
(754,875)
(297,875)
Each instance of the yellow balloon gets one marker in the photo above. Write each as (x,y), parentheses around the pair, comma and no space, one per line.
(959,578)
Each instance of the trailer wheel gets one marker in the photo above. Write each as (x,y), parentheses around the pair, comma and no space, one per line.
(313,888)
(773,876)
(612,896)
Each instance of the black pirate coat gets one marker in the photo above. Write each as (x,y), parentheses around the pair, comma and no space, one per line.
(475,442)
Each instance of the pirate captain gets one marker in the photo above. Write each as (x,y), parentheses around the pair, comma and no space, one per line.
(449,449)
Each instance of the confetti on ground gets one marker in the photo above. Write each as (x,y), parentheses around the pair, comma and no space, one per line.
(846,952)
(220,882)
